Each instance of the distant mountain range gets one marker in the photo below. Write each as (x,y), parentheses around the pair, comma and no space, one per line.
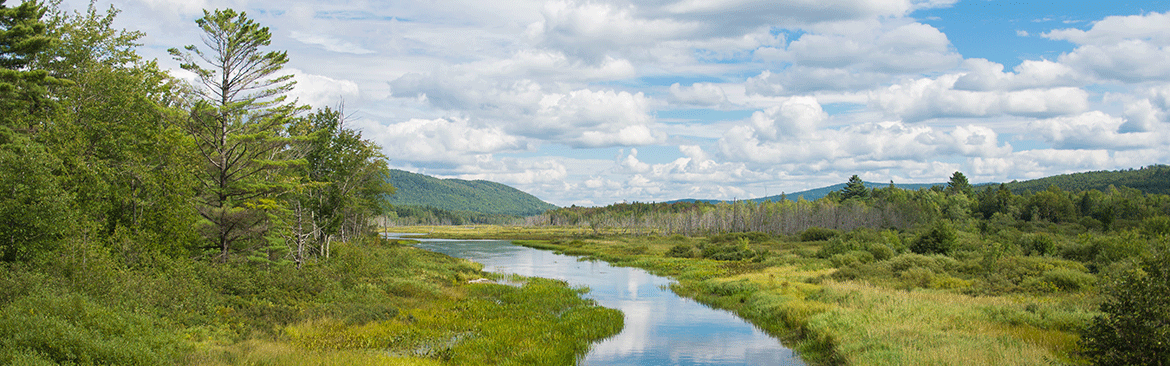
(459,195)
(818,193)
(1151,179)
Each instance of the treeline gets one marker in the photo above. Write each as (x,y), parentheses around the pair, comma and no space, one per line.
(1150,179)
(425,215)
(102,151)
(857,206)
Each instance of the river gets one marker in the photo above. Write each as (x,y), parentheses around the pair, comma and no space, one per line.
(661,328)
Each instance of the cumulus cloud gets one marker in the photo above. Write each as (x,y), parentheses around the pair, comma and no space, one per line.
(859,55)
(1092,130)
(582,118)
(928,98)
(791,134)
(1124,48)
(984,75)
(321,91)
(698,94)
(447,142)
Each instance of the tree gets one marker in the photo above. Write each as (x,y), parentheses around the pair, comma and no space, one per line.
(23,89)
(117,134)
(239,127)
(346,181)
(959,184)
(1134,328)
(33,207)
(855,188)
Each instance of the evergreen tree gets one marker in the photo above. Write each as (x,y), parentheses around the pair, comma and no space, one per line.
(959,184)
(239,128)
(855,188)
(22,90)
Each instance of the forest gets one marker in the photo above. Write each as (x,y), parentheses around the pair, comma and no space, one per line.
(153,220)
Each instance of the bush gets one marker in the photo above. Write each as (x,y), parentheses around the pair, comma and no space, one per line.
(1133,329)
(818,234)
(71,329)
(939,239)
(1069,280)
(1037,244)
(681,251)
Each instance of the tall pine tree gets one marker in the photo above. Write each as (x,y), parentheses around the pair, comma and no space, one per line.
(239,128)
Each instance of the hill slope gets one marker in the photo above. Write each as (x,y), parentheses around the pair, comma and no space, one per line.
(463,195)
(1151,179)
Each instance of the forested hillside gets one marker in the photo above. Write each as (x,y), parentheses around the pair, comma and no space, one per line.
(459,195)
(1151,179)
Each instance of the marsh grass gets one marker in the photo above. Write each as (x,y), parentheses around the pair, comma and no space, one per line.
(896,308)
(375,302)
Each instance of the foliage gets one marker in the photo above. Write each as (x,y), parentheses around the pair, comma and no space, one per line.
(959,185)
(34,212)
(855,188)
(239,130)
(1150,179)
(939,239)
(459,195)
(1134,327)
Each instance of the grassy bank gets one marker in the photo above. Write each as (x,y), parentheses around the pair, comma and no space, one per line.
(898,309)
(376,303)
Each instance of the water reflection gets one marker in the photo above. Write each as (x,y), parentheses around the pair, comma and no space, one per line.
(660,327)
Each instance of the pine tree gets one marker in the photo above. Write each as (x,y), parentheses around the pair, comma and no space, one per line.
(239,129)
(855,188)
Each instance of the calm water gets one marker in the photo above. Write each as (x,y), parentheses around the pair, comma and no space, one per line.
(661,328)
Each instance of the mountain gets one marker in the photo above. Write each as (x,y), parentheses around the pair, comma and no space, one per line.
(1151,179)
(463,195)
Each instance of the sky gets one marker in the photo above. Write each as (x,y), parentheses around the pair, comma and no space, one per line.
(594,102)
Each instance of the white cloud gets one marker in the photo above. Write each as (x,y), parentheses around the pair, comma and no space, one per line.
(698,94)
(442,141)
(1093,130)
(1152,27)
(927,98)
(330,43)
(985,75)
(1125,48)
(320,91)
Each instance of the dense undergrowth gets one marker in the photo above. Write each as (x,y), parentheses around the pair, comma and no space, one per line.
(1006,292)
(375,302)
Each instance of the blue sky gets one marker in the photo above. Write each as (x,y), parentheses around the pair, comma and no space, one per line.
(595,102)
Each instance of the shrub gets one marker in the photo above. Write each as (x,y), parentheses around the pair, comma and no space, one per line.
(72,329)
(1133,327)
(1037,244)
(1069,280)
(939,239)
(818,234)
(681,251)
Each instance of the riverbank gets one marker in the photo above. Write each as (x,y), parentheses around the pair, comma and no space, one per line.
(374,302)
(921,316)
